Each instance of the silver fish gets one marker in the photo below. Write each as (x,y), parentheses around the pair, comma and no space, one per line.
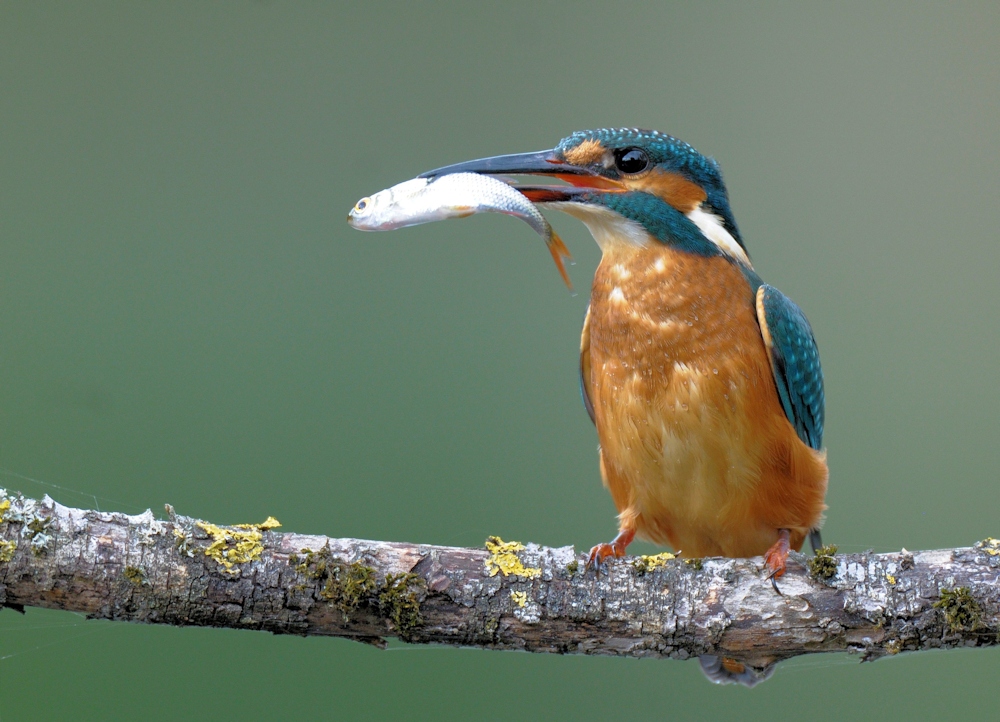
(455,195)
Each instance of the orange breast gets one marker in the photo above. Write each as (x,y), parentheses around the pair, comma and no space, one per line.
(695,447)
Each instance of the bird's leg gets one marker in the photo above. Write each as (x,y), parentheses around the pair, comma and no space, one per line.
(776,556)
(614,548)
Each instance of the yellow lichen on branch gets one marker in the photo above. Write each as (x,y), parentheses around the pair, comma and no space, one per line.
(645,564)
(7,549)
(189,572)
(990,545)
(269,523)
(239,544)
(503,559)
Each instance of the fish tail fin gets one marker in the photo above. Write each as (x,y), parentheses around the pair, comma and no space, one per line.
(560,253)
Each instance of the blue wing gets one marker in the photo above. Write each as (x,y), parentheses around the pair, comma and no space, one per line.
(794,362)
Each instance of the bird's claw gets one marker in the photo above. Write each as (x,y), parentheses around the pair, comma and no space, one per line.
(776,558)
(615,548)
(598,554)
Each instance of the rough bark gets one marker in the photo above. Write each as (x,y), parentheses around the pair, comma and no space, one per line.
(182,571)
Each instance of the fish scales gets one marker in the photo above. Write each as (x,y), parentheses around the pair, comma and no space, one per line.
(456,195)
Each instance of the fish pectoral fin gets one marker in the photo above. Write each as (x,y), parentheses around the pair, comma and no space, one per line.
(560,253)
(463,211)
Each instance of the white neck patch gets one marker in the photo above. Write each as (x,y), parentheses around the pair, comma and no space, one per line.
(611,229)
(608,228)
(711,227)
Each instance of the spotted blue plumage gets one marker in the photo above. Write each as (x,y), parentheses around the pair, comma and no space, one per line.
(795,363)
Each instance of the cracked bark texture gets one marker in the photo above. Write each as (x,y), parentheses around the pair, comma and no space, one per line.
(140,569)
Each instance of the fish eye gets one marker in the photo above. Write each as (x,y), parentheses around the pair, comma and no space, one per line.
(361,205)
(631,160)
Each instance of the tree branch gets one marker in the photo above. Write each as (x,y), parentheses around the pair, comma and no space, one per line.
(187,572)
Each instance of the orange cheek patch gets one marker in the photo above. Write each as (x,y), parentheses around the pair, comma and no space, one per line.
(589,151)
(675,189)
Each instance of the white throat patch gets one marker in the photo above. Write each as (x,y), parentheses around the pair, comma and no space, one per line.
(711,227)
(608,228)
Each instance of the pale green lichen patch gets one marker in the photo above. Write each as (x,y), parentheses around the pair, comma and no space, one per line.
(239,544)
(182,542)
(27,512)
(315,565)
(696,563)
(962,612)
(135,575)
(7,549)
(301,564)
(399,602)
(824,565)
(503,559)
(349,586)
(645,564)
(38,525)
(989,545)
(35,530)
(573,567)
(520,598)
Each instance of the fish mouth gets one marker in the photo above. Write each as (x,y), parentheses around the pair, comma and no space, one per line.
(580,180)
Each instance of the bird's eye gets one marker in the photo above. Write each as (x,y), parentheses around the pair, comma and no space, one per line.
(360,206)
(631,160)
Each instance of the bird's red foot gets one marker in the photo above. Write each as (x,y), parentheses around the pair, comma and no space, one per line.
(726,670)
(776,557)
(615,548)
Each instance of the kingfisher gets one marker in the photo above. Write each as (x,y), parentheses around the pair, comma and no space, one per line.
(703,381)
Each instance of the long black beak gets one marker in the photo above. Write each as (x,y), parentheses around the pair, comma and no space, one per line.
(544,162)
(582,180)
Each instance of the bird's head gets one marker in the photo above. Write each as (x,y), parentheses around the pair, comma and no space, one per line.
(629,186)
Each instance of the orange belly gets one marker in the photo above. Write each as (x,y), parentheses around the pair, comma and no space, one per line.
(695,447)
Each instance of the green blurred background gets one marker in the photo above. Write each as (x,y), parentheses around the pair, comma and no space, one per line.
(187,318)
